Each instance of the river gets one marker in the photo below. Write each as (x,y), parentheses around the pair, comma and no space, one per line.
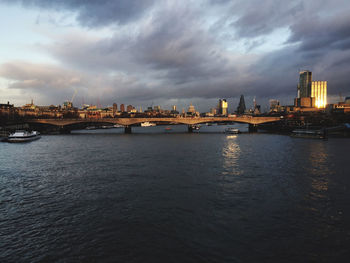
(171,196)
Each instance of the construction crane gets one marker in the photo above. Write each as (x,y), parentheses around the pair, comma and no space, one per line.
(75,93)
(69,104)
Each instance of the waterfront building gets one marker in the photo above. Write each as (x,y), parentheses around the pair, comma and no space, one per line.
(319,93)
(311,94)
(222,107)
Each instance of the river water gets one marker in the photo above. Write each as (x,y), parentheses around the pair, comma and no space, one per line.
(157,196)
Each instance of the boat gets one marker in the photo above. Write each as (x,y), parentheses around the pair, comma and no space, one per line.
(232,131)
(305,133)
(168,129)
(118,126)
(147,124)
(90,128)
(195,127)
(107,127)
(23,136)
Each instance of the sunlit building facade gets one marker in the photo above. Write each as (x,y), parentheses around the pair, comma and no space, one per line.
(222,107)
(319,93)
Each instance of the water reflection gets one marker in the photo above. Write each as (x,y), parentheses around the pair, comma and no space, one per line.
(318,169)
(230,154)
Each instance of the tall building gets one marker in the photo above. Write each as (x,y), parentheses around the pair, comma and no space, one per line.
(222,107)
(311,94)
(122,108)
(115,108)
(304,86)
(319,93)
(241,106)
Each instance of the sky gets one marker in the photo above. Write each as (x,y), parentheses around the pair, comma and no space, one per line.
(168,52)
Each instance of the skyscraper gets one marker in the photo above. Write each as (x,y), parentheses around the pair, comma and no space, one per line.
(304,86)
(241,106)
(122,108)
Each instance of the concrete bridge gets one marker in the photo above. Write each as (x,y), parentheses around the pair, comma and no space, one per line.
(253,121)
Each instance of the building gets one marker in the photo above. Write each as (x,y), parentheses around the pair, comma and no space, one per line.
(115,108)
(129,108)
(222,107)
(122,108)
(319,93)
(311,94)
(241,106)
(304,86)
(274,105)
(191,109)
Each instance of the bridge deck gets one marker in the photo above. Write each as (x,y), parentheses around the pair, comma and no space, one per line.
(175,120)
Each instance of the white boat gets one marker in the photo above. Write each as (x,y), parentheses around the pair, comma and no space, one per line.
(195,127)
(147,124)
(118,126)
(23,136)
(232,131)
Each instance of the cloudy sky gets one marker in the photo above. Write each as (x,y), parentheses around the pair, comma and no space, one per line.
(145,52)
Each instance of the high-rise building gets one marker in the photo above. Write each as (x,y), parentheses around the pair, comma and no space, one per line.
(311,94)
(304,86)
(222,107)
(115,108)
(319,93)
(122,108)
(241,106)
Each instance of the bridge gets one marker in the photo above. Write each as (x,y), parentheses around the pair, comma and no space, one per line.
(253,121)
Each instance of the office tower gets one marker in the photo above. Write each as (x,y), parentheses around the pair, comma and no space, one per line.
(115,108)
(304,86)
(222,107)
(241,106)
(319,93)
(122,108)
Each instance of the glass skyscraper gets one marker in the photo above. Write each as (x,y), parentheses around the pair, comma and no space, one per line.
(304,86)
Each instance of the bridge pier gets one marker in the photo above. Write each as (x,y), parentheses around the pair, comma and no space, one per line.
(189,128)
(127,130)
(63,130)
(253,128)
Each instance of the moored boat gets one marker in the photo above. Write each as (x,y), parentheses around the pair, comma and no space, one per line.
(232,131)
(147,124)
(314,134)
(195,127)
(23,136)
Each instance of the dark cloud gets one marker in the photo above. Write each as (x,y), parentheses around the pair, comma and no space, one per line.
(92,13)
(207,50)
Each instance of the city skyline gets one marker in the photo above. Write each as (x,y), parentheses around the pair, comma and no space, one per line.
(169,53)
